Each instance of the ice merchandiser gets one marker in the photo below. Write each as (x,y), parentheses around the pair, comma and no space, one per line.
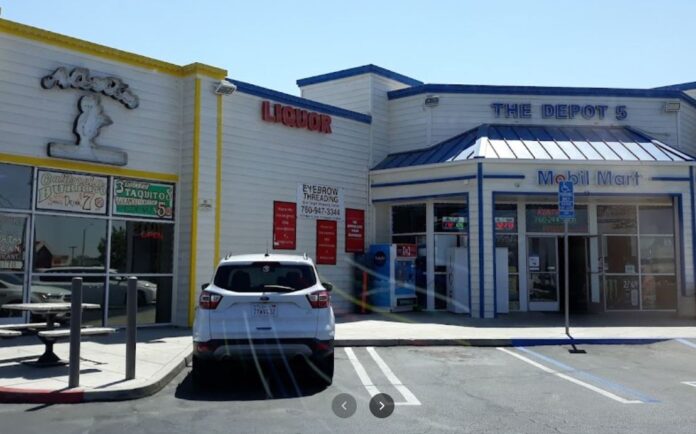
(393,281)
(458,280)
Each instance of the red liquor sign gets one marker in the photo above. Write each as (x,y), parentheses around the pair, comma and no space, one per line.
(284,225)
(295,118)
(355,230)
(326,242)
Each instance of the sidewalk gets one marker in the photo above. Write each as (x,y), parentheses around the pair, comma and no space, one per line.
(160,356)
(529,328)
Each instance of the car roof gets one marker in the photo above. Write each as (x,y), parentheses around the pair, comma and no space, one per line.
(270,257)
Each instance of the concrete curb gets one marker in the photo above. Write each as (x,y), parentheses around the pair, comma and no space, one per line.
(512,342)
(74,396)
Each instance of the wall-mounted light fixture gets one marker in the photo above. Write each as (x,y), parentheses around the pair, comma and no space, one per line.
(224,87)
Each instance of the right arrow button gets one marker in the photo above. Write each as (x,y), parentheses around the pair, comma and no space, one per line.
(382,405)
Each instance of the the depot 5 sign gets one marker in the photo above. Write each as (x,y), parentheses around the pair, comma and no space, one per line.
(136,198)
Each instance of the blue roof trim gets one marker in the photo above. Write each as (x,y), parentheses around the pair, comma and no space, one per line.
(539,90)
(680,86)
(297,101)
(351,72)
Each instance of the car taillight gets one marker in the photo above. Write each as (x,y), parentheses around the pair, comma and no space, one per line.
(319,299)
(209,300)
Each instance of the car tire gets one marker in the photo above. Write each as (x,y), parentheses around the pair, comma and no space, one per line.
(202,373)
(323,367)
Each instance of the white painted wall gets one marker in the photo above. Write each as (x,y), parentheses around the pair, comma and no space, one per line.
(31,116)
(264,162)
(412,126)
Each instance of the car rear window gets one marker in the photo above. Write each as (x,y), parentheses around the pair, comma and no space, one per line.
(265,277)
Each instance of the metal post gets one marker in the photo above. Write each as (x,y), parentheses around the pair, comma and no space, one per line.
(131,312)
(75,326)
(565,276)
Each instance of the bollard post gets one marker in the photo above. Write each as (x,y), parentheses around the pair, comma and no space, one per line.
(131,312)
(75,337)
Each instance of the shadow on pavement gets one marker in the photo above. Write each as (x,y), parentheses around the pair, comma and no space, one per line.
(246,384)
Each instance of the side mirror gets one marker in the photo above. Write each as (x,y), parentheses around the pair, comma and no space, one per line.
(328,286)
(205,285)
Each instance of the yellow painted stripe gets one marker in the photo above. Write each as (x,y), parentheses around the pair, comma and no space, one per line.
(51,163)
(218,182)
(104,52)
(194,197)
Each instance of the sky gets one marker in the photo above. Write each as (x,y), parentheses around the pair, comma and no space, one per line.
(635,44)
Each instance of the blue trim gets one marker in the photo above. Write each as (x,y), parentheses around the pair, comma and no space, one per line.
(680,86)
(539,90)
(584,193)
(671,178)
(468,249)
(351,72)
(680,218)
(479,179)
(503,176)
(423,181)
(426,196)
(281,97)
(693,221)
(495,259)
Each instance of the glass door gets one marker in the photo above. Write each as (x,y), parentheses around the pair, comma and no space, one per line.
(13,263)
(542,266)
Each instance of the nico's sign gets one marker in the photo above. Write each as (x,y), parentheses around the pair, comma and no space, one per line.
(318,201)
(295,118)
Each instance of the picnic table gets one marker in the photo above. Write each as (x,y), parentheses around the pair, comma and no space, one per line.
(46,331)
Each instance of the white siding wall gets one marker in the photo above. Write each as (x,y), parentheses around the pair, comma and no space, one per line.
(351,93)
(687,128)
(264,162)
(31,116)
(412,126)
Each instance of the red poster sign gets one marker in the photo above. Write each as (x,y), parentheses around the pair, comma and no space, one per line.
(406,250)
(284,225)
(355,230)
(326,242)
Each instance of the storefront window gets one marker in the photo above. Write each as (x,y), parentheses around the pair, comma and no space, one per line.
(408,219)
(544,219)
(56,286)
(616,219)
(154,300)
(451,217)
(11,291)
(141,247)
(12,242)
(15,186)
(62,242)
(652,283)
(621,254)
(656,220)
(505,220)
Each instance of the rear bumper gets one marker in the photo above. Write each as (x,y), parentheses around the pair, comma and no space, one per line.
(244,349)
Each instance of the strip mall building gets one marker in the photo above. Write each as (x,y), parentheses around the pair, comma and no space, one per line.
(113,164)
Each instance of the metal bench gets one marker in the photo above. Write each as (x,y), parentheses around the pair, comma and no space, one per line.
(90,331)
(29,326)
(9,334)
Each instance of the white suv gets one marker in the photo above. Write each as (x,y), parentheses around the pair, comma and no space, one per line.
(264,307)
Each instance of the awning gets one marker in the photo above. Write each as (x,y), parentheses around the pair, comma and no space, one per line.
(537,142)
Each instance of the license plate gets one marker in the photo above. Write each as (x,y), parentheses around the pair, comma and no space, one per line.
(264,310)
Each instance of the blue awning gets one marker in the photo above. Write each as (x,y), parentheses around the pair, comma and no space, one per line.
(566,142)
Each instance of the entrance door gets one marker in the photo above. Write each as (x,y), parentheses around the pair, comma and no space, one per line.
(13,263)
(542,276)
(578,270)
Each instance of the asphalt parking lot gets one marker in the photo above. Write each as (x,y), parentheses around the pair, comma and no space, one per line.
(610,388)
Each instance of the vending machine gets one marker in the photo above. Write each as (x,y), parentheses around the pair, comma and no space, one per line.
(393,281)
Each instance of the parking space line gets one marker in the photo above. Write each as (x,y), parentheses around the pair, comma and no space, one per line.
(362,374)
(590,377)
(591,387)
(687,343)
(409,397)
(689,383)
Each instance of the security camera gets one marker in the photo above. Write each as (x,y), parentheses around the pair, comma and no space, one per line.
(224,87)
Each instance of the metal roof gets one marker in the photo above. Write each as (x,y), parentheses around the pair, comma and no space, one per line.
(541,142)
